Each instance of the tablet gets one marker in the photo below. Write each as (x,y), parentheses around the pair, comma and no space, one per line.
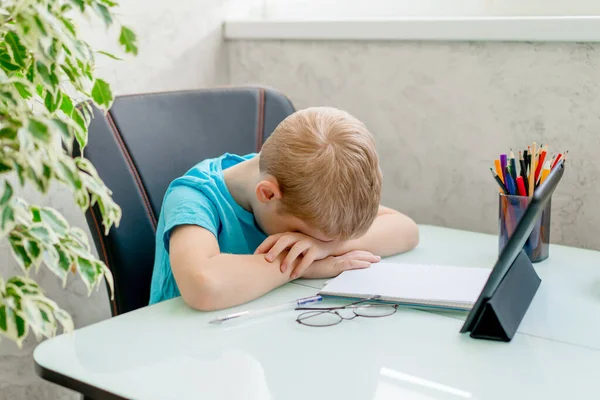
(515,244)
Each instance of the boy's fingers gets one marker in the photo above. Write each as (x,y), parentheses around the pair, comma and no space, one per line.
(283,243)
(372,258)
(361,255)
(308,259)
(267,244)
(354,264)
(354,254)
(297,249)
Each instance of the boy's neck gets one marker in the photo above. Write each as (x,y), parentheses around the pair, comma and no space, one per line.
(241,181)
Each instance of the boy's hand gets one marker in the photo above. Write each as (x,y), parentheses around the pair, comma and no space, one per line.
(334,265)
(299,244)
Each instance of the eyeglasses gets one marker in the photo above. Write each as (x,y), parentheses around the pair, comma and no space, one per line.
(322,317)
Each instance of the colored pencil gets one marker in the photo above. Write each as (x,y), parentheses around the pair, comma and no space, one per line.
(544,175)
(499,170)
(503,166)
(513,165)
(523,169)
(522,163)
(532,169)
(535,165)
(521,186)
(510,183)
(540,164)
(499,181)
(556,160)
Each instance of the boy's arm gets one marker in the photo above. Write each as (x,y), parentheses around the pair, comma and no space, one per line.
(209,280)
(391,233)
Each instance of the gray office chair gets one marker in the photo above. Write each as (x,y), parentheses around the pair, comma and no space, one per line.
(144,142)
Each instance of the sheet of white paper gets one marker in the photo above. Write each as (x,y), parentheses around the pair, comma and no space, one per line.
(430,283)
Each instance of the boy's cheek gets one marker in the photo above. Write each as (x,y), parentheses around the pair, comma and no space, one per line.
(275,226)
(271,228)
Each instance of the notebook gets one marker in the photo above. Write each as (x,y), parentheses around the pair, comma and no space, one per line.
(437,286)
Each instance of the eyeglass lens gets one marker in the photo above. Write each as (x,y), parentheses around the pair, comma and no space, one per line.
(319,318)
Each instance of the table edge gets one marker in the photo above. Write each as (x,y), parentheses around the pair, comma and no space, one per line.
(81,387)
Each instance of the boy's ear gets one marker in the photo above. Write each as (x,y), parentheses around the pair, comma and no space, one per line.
(267,190)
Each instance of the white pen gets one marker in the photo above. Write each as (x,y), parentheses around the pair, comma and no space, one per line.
(268,310)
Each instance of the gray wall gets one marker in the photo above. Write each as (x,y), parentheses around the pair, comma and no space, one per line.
(441,112)
(180,47)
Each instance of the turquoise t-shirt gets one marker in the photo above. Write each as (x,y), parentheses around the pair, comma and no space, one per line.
(201,197)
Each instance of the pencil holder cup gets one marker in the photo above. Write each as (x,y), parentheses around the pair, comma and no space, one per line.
(510,211)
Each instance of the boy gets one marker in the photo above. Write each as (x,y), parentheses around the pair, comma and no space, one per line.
(233,228)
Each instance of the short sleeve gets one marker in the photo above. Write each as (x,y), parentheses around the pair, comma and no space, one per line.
(186,205)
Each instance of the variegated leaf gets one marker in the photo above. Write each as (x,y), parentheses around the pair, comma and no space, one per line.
(7,220)
(43,234)
(65,319)
(12,325)
(65,260)
(103,269)
(7,194)
(78,234)
(54,220)
(33,251)
(88,272)
(19,253)
(51,258)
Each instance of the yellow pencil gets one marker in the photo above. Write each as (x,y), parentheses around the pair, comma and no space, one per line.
(544,174)
(532,169)
(499,170)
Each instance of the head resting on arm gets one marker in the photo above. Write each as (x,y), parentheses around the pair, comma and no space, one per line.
(319,170)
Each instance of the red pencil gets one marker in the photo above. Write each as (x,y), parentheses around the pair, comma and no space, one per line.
(521,186)
(538,169)
(556,160)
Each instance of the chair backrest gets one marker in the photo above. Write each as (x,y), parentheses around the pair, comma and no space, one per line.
(143,143)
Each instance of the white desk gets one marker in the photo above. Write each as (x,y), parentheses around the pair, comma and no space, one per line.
(168,351)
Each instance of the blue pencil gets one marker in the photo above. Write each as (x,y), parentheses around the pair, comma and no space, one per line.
(510,183)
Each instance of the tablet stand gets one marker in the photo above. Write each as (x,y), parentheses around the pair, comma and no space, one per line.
(502,313)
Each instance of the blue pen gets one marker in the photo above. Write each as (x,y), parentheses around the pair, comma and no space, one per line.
(269,310)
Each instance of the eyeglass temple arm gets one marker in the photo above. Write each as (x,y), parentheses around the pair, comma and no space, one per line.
(335,308)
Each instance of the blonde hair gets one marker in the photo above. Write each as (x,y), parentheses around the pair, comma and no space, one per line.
(327,168)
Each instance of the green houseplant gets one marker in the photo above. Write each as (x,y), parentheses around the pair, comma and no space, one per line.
(47,82)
